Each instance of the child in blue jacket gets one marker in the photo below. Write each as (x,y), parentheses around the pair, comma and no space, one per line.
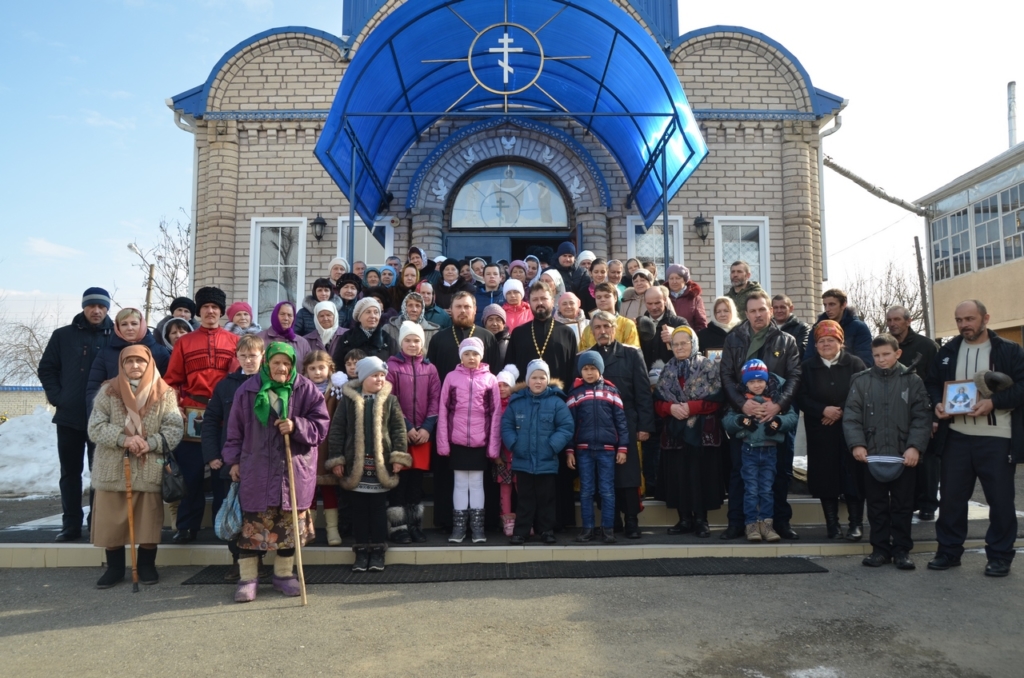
(536,427)
(758,454)
(601,441)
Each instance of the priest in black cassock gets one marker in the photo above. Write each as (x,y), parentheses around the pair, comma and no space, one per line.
(443,353)
(556,345)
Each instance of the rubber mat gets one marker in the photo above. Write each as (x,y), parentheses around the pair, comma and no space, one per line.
(565,569)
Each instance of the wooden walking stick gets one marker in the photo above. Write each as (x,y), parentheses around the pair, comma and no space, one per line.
(295,515)
(131,519)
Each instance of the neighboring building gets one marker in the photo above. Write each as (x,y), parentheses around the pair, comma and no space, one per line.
(16,401)
(976,249)
(262,110)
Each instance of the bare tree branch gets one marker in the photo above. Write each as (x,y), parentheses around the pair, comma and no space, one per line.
(22,344)
(170,256)
(872,295)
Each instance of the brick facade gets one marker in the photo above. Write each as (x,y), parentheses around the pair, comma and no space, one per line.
(760,166)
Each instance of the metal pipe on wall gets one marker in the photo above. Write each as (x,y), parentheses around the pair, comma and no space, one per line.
(1011,111)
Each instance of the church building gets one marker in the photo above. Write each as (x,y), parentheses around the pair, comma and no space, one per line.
(490,127)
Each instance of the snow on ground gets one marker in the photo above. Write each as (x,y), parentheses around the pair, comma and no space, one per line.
(28,455)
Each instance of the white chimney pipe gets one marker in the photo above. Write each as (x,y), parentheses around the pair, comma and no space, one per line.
(1011,111)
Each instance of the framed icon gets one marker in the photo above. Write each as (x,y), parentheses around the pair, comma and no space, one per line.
(193,424)
(959,397)
(714,355)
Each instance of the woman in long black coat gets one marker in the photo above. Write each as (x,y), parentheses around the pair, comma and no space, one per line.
(831,469)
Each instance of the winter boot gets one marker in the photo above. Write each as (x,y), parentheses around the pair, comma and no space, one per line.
(855,507)
(508,523)
(700,525)
(147,566)
(632,527)
(768,531)
(753,532)
(414,514)
(398,528)
(115,569)
(830,507)
(377,557)
(585,535)
(331,521)
(476,525)
(362,561)
(249,571)
(459,519)
(608,536)
(284,579)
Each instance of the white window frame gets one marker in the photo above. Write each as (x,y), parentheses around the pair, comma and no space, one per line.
(766,268)
(675,223)
(256,223)
(389,240)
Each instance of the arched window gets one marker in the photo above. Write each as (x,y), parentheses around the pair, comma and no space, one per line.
(509,196)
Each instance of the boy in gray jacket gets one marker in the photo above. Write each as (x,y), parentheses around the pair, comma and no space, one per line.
(887,423)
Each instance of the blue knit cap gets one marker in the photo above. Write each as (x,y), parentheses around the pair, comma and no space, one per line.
(590,358)
(96,296)
(566,248)
(754,369)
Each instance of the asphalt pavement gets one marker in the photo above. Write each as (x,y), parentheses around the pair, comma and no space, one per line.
(851,622)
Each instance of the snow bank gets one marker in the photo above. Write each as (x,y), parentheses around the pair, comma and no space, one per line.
(28,455)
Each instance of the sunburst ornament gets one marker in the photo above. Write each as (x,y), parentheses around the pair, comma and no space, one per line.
(517,51)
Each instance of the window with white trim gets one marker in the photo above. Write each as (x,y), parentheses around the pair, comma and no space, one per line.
(741,239)
(650,243)
(369,248)
(1013,222)
(987,239)
(276,264)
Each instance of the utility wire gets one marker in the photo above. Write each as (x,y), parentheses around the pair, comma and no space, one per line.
(872,235)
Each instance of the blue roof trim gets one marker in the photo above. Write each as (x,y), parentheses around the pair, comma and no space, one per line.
(582,153)
(823,103)
(20,388)
(750,114)
(193,101)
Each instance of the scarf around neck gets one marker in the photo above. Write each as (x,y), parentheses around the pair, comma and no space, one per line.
(701,380)
(283,391)
(757,340)
(139,399)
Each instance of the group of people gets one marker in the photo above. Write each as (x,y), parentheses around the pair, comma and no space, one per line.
(507,383)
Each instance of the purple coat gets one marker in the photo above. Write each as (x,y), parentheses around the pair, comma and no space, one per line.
(260,449)
(299,343)
(415,383)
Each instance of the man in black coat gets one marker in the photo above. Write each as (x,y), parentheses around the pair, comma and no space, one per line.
(64,373)
(986,444)
(759,337)
(918,352)
(576,278)
(782,312)
(443,353)
(664,319)
(624,367)
(555,343)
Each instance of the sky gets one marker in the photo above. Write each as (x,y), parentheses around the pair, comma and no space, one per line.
(92,159)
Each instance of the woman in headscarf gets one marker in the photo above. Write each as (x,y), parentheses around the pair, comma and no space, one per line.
(129,330)
(388,276)
(135,414)
(413,311)
(552,276)
(831,469)
(170,329)
(466,272)
(633,304)
(687,398)
(327,330)
(723,319)
(278,402)
(532,269)
(371,277)
(337,268)
(477,265)
(408,278)
(282,321)
(451,284)
(323,290)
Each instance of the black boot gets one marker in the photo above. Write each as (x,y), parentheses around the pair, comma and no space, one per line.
(855,507)
(362,558)
(684,526)
(632,527)
(459,519)
(414,514)
(376,563)
(115,569)
(147,566)
(476,525)
(830,507)
(398,525)
(700,526)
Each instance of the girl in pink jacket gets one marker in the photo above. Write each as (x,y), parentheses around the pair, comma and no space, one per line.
(469,433)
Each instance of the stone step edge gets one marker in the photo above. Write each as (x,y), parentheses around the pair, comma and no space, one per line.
(86,555)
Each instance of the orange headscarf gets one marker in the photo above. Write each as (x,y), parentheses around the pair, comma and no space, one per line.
(149,392)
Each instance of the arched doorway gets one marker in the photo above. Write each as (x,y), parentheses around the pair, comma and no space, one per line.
(507,210)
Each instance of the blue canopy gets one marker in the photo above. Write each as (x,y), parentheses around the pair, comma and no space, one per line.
(586,60)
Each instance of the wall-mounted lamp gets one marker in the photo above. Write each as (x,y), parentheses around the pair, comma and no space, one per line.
(318,225)
(700,224)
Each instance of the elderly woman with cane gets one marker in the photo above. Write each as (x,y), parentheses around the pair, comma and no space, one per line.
(278,415)
(135,419)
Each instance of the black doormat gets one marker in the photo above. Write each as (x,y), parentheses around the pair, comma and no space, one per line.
(558,569)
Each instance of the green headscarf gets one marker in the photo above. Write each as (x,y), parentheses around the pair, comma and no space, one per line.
(283,391)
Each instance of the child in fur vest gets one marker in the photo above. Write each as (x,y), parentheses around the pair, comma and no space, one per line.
(414,381)
(367,451)
(468,432)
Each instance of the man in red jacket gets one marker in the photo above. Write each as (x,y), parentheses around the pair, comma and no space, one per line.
(199,361)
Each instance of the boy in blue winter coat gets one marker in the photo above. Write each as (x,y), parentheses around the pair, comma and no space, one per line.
(758,456)
(600,442)
(536,427)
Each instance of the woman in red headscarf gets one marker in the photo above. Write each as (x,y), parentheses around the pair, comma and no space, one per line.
(134,414)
